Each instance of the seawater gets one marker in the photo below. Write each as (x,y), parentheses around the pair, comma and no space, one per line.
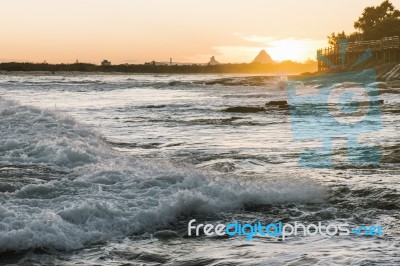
(109,169)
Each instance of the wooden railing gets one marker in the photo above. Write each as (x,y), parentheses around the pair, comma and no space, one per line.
(386,49)
(375,45)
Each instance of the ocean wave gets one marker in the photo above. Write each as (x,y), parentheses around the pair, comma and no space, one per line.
(240,81)
(107,83)
(101,194)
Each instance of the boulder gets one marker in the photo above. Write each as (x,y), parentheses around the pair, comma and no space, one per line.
(244,109)
(278,104)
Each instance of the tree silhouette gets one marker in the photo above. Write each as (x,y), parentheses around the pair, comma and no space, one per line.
(378,22)
(374,23)
(334,38)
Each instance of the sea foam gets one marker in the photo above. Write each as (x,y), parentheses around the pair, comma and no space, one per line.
(105,194)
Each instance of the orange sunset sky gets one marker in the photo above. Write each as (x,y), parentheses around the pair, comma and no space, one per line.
(135,31)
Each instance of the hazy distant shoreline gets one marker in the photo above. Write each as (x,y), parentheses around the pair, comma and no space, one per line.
(288,67)
(381,70)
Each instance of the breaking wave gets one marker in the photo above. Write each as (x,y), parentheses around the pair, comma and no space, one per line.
(97,194)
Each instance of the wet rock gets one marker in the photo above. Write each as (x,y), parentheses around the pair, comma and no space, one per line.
(278,104)
(244,109)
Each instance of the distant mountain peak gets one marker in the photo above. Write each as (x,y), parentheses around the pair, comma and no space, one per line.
(263,58)
(213,61)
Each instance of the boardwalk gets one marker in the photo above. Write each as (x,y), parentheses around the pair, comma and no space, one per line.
(383,51)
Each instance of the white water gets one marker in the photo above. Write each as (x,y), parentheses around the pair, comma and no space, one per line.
(103,158)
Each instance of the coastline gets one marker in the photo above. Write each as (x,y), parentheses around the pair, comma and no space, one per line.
(382,71)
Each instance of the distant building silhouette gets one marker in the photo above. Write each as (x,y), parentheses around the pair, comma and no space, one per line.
(106,63)
(213,61)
